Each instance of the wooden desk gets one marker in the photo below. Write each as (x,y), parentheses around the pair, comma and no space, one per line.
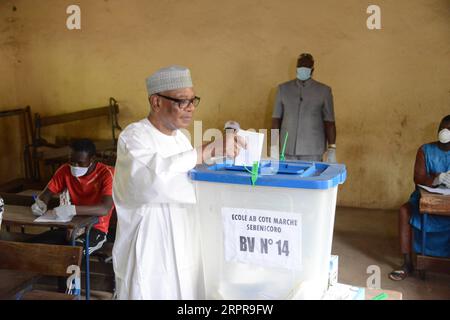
(435,204)
(21,215)
(13,283)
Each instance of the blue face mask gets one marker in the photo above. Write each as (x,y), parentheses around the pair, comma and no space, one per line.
(303,73)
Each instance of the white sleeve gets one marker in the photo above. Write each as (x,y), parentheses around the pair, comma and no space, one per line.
(178,163)
(143,176)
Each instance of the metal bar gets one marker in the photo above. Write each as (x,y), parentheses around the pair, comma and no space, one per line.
(86,253)
(73,235)
(424,233)
(88,225)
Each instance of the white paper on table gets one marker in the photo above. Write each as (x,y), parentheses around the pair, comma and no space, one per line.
(252,153)
(439,190)
(50,216)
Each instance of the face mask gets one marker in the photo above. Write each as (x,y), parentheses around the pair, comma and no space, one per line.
(444,136)
(303,73)
(79,171)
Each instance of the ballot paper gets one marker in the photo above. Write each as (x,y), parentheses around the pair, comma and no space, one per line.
(253,151)
(50,216)
(439,190)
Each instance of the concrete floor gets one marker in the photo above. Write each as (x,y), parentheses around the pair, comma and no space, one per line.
(364,237)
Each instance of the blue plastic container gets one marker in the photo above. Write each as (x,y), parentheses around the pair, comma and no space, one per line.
(268,237)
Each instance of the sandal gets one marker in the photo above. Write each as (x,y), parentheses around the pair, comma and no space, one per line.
(398,275)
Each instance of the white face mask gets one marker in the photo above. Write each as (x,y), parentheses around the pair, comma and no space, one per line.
(79,171)
(444,136)
(303,73)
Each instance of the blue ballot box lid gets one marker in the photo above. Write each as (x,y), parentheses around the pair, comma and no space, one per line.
(286,174)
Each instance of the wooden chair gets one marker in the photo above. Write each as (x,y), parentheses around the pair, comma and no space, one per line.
(54,154)
(19,185)
(25,115)
(43,259)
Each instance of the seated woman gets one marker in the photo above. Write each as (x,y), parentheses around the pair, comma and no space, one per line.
(432,169)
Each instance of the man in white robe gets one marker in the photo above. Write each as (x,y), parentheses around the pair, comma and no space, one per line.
(156,253)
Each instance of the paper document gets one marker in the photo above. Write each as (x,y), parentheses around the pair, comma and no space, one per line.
(439,190)
(254,141)
(50,216)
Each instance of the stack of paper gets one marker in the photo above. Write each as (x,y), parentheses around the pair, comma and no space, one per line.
(50,216)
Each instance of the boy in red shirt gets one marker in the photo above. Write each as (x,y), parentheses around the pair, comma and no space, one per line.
(89,186)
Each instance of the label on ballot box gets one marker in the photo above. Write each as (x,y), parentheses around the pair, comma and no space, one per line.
(262,237)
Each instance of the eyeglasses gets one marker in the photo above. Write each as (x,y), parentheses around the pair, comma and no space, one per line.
(182,103)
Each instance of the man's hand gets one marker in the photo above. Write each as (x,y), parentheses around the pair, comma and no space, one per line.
(39,207)
(232,145)
(228,147)
(331,155)
(442,178)
(65,212)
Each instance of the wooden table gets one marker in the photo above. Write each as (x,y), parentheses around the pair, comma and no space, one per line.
(434,204)
(14,283)
(21,215)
